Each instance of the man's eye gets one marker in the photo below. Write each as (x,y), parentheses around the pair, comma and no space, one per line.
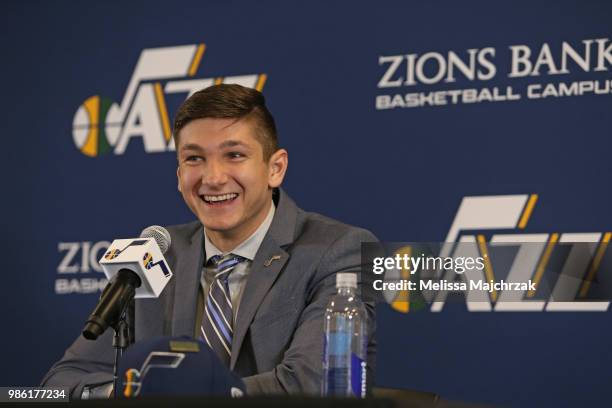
(193,159)
(235,155)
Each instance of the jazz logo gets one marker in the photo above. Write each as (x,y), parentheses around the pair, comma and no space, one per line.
(569,291)
(147,262)
(114,252)
(101,125)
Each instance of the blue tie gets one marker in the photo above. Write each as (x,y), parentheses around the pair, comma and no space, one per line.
(217,328)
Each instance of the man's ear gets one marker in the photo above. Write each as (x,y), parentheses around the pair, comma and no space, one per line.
(178,177)
(277,167)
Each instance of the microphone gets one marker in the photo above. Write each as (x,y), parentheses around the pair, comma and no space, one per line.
(135,268)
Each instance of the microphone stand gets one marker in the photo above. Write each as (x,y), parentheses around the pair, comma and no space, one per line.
(121,341)
(115,309)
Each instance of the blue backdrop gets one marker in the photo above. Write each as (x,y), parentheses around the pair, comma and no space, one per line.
(336,76)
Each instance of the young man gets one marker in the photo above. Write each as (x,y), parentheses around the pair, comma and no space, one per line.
(253,275)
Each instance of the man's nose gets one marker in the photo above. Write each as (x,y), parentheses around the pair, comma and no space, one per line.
(214,174)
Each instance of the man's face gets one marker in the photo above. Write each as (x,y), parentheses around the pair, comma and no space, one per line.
(224,179)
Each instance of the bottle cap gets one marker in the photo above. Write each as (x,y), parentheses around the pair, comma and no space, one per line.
(346,280)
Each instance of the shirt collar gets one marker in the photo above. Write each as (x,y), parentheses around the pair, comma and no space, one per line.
(249,247)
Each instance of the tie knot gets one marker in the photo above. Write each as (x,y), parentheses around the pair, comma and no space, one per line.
(223,264)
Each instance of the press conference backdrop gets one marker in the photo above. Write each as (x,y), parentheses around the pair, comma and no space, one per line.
(392,113)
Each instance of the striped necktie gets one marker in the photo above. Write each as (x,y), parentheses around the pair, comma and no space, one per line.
(217,328)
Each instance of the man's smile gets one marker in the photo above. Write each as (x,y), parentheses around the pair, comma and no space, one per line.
(218,199)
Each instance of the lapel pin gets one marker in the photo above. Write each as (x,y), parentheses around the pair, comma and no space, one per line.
(274,258)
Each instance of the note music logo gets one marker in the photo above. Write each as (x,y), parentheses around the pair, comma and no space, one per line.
(101,125)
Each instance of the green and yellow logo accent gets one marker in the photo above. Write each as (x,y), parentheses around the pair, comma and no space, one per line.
(89,126)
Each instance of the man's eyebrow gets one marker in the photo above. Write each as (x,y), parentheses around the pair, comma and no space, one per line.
(227,143)
(191,146)
(233,143)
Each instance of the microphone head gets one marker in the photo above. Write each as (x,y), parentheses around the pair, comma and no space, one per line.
(143,256)
(160,235)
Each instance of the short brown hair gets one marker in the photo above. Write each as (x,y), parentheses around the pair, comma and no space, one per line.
(230,101)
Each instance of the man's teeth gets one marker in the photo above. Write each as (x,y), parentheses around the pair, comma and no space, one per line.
(217,198)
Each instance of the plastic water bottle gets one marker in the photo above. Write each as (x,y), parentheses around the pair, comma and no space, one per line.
(344,354)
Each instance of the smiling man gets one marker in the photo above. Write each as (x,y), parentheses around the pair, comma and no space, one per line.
(226,175)
(254,273)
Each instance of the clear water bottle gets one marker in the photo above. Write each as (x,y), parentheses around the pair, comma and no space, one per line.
(344,352)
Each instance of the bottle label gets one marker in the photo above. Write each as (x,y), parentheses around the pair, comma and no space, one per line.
(358,376)
(339,343)
(337,361)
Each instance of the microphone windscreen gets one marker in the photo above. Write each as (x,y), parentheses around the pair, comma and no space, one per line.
(160,235)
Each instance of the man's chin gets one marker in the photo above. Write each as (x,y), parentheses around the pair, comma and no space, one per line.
(216,227)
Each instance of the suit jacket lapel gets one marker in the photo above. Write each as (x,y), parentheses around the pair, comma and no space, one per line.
(187,286)
(261,278)
(265,269)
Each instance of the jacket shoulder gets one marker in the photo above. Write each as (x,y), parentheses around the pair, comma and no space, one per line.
(326,230)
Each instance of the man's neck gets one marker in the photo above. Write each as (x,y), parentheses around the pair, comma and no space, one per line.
(223,242)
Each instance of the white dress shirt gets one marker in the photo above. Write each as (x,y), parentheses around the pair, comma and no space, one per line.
(238,276)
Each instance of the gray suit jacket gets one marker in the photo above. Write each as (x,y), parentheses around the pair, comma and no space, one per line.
(278,336)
